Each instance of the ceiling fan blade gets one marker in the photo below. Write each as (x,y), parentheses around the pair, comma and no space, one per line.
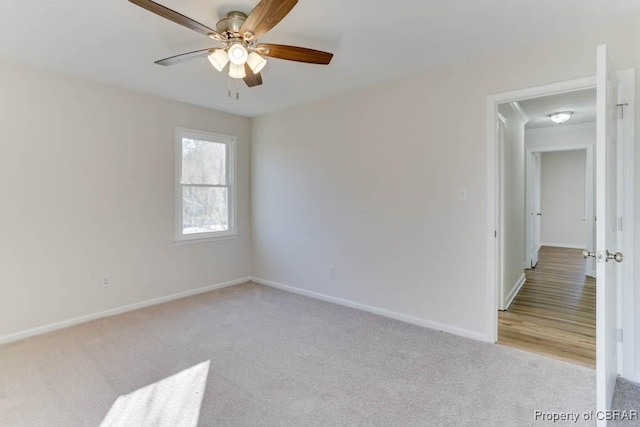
(173,60)
(252,79)
(265,16)
(294,53)
(178,18)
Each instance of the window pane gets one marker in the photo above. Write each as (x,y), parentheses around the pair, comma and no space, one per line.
(204,209)
(203,162)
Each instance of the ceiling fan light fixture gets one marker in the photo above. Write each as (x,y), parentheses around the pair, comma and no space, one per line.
(237,71)
(219,59)
(239,34)
(238,54)
(560,117)
(256,62)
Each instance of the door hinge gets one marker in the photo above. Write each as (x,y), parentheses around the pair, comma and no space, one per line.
(619,224)
(619,335)
(621,108)
(495,233)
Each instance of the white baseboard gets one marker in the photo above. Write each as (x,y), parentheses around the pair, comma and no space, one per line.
(83,319)
(563,245)
(375,310)
(514,291)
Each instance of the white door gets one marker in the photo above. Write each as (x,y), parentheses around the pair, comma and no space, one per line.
(535,207)
(606,231)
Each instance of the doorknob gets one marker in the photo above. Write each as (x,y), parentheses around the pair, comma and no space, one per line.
(603,256)
(617,256)
(539,214)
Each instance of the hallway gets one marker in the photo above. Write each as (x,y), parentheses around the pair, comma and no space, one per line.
(555,311)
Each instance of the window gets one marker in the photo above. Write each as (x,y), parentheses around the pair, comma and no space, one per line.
(205,192)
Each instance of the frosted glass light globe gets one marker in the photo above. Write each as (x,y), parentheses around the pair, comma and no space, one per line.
(237,71)
(561,116)
(256,62)
(238,54)
(219,59)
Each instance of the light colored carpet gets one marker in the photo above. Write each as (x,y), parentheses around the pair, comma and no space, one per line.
(626,399)
(256,356)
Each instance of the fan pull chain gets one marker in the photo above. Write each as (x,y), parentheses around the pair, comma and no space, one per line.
(236,88)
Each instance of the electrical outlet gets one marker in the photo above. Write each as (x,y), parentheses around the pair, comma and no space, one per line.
(104,281)
(333,271)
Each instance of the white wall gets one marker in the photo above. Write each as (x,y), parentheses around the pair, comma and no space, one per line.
(563,221)
(560,136)
(369,182)
(514,204)
(87,176)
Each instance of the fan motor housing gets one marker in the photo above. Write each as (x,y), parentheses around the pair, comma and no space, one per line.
(232,23)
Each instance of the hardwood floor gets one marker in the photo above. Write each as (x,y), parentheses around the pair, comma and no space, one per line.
(555,311)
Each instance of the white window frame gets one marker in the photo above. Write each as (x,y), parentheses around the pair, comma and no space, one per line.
(230,143)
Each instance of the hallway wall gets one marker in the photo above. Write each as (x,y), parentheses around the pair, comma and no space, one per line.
(563,221)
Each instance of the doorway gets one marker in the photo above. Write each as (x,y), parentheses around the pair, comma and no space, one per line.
(568,184)
(546,301)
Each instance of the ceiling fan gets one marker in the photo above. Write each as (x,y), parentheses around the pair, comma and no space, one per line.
(239,33)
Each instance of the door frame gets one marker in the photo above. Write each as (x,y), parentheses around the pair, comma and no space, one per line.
(626,362)
(501,127)
(532,235)
(589,193)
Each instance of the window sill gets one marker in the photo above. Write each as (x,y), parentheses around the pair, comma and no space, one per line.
(207,239)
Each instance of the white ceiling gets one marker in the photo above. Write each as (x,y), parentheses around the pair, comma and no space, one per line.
(581,102)
(116,42)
